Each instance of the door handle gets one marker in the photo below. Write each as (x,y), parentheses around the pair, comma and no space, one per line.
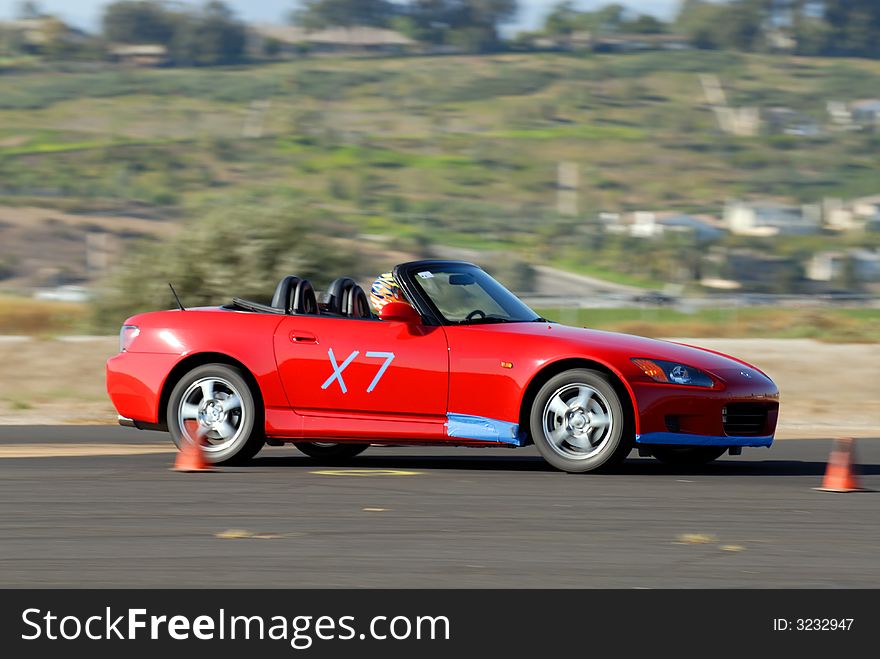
(299,336)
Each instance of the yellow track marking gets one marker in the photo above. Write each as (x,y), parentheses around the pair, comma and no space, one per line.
(244,534)
(50,450)
(365,472)
(695,539)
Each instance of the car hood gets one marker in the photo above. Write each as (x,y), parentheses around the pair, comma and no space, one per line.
(626,346)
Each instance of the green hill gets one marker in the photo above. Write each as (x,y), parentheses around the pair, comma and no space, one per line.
(461,150)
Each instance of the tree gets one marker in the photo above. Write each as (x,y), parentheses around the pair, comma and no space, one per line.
(56,45)
(211,35)
(138,21)
(434,19)
(492,13)
(828,27)
(812,34)
(609,18)
(736,25)
(219,37)
(317,14)
(740,26)
(231,250)
(468,24)
(854,27)
(29,9)
(564,18)
(644,24)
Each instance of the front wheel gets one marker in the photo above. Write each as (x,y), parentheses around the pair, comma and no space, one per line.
(687,456)
(330,452)
(578,422)
(214,406)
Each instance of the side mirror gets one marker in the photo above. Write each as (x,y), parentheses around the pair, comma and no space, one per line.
(400,312)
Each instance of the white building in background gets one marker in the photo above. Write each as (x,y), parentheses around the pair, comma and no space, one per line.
(651,224)
(867,207)
(742,122)
(855,115)
(342,39)
(866,264)
(785,121)
(143,55)
(866,112)
(66,293)
(854,215)
(767,218)
(831,266)
(825,266)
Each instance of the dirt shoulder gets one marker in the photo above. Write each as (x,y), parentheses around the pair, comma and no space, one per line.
(827,389)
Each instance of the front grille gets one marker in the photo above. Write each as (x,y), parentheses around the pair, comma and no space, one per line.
(744,419)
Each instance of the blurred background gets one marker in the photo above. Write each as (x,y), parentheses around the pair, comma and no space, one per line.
(676,169)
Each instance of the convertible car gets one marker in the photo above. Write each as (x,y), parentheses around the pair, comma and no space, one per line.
(463,362)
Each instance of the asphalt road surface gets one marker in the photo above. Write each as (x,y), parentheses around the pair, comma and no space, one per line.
(100,508)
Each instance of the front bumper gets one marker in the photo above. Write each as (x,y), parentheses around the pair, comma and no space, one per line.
(714,417)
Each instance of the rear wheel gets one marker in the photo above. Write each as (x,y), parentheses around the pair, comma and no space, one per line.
(213,405)
(578,422)
(688,456)
(331,452)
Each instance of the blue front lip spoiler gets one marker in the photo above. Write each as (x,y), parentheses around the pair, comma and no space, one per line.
(683,439)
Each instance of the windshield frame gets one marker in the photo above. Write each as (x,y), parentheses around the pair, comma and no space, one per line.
(405,274)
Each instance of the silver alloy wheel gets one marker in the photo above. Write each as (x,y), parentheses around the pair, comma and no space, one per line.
(211,408)
(577,421)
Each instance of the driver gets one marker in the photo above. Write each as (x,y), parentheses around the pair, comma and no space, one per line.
(384,290)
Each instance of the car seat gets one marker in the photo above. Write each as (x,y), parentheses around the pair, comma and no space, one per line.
(295,296)
(345,298)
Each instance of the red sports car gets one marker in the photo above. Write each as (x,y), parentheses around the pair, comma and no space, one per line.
(462,362)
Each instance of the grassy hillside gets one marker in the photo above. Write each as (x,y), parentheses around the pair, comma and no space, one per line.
(462,150)
(50,319)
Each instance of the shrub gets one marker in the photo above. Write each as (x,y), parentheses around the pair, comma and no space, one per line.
(236,251)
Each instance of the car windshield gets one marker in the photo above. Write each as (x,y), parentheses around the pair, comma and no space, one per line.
(466,295)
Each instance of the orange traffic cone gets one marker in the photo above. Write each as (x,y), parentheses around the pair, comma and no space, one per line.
(842,472)
(191,457)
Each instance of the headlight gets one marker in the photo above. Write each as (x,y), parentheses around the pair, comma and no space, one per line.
(127,334)
(673,373)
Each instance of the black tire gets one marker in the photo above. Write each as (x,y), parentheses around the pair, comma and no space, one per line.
(327,452)
(248,437)
(611,447)
(687,456)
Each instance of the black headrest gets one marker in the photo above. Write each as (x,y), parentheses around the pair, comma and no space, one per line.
(295,296)
(284,293)
(356,303)
(304,299)
(334,297)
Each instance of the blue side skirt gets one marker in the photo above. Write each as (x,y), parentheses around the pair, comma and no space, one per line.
(682,439)
(482,428)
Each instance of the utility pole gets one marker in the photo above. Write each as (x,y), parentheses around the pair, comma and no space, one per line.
(567,180)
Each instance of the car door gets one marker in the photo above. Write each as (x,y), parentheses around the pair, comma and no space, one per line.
(363,378)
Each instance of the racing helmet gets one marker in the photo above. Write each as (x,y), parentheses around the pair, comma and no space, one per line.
(384,290)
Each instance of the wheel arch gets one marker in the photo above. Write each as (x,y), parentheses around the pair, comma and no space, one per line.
(554,368)
(195,360)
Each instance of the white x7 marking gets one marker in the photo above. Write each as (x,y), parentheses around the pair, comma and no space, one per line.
(388,357)
(339,368)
